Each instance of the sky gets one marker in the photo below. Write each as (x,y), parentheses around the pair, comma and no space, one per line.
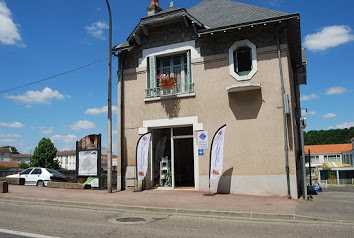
(54,67)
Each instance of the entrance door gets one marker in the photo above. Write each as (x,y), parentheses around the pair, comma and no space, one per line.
(183,162)
(183,157)
(173,157)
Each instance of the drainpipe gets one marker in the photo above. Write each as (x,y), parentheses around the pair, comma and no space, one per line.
(284,114)
(120,119)
(303,169)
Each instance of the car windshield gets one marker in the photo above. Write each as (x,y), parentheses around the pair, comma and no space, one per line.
(52,171)
(27,171)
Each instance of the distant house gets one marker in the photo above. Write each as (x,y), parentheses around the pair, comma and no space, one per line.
(320,154)
(12,165)
(331,163)
(5,154)
(21,158)
(352,140)
(67,159)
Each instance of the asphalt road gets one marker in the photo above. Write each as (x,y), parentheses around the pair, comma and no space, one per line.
(335,203)
(77,222)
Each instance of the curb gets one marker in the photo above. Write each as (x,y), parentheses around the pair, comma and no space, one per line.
(177,211)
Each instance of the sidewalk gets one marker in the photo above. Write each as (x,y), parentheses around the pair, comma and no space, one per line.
(177,201)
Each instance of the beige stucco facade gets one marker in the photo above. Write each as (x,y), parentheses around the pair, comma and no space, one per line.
(254,154)
(260,109)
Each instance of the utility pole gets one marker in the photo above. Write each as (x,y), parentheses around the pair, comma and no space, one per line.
(109,140)
(303,157)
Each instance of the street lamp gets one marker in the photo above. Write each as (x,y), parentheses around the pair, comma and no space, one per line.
(109,143)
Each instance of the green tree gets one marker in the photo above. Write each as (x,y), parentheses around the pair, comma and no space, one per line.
(13,149)
(24,166)
(333,136)
(44,154)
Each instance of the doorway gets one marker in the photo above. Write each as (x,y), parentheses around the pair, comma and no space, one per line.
(184,162)
(173,157)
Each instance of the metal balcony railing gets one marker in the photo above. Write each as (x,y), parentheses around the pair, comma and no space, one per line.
(177,89)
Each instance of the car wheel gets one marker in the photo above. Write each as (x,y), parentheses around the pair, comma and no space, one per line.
(40,183)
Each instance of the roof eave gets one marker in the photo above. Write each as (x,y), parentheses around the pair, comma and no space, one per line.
(161,18)
(250,24)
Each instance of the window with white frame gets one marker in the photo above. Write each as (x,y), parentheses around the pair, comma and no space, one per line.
(169,74)
(242,60)
(315,159)
(332,158)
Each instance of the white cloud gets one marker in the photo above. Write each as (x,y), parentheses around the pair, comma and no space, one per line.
(97,29)
(66,139)
(329,115)
(82,125)
(12,124)
(307,112)
(9,33)
(10,135)
(46,130)
(309,97)
(100,110)
(39,97)
(8,140)
(343,125)
(328,37)
(336,90)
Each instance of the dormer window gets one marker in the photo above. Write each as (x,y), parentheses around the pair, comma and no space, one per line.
(242,60)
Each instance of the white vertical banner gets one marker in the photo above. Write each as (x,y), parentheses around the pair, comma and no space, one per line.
(217,153)
(142,154)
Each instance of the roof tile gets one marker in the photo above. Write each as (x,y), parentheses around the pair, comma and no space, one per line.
(334,148)
(222,13)
(10,164)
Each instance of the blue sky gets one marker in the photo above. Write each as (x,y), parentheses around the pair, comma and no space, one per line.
(59,50)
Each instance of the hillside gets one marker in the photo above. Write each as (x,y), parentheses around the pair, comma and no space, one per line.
(333,136)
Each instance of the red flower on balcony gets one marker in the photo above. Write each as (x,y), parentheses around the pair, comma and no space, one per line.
(166,80)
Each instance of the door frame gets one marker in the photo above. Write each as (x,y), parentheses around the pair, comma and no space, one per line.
(149,125)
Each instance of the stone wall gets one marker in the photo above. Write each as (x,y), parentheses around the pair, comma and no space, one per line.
(71,174)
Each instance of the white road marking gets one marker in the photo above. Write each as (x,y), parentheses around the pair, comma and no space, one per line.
(25,234)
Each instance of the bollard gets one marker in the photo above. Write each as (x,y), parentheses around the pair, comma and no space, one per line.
(4,187)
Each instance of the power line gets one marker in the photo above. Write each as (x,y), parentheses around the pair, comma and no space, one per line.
(54,76)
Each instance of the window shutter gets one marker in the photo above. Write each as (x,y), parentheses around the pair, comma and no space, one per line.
(189,76)
(151,84)
(189,85)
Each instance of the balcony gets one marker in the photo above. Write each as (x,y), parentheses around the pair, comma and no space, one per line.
(178,90)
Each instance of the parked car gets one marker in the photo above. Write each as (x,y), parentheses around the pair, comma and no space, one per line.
(39,176)
(317,187)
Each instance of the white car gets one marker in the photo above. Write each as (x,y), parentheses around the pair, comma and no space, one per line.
(39,176)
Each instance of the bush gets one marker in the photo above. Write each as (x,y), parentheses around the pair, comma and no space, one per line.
(24,166)
(4,167)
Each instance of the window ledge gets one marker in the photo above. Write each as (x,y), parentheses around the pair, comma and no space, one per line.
(241,87)
(169,97)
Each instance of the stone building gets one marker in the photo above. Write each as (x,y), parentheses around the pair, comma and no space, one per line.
(186,71)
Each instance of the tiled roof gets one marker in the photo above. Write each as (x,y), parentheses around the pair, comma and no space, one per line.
(66,153)
(14,156)
(5,150)
(334,148)
(221,13)
(10,164)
